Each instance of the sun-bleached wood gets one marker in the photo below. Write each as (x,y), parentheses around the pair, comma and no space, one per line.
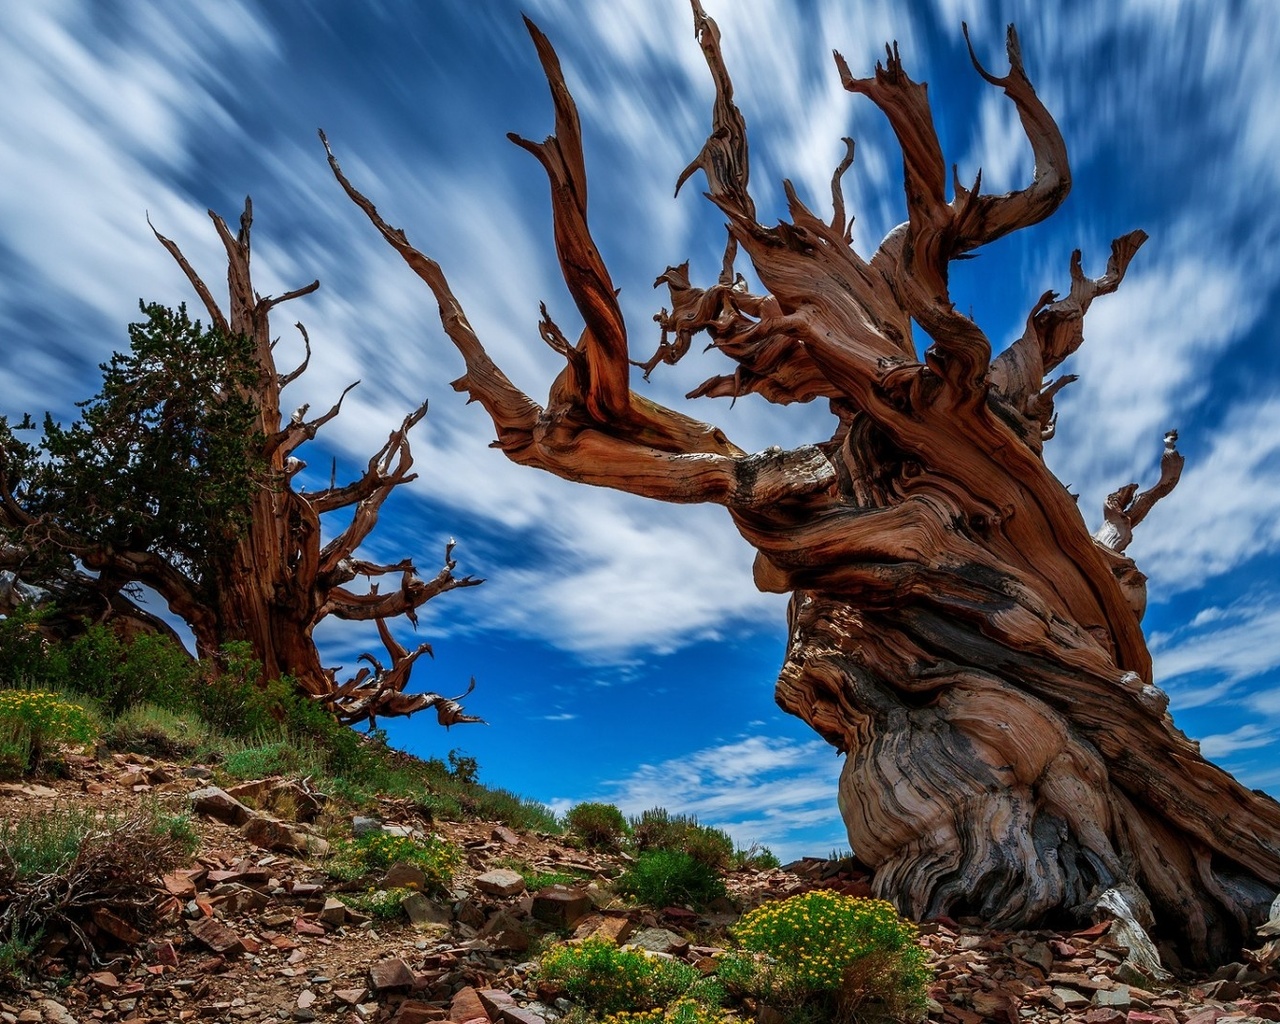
(955,630)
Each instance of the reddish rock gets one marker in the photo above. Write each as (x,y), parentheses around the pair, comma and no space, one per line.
(180,884)
(391,973)
(273,835)
(216,935)
(116,926)
(402,875)
(494,1001)
(218,803)
(466,1006)
(504,835)
(1139,1017)
(104,980)
(412,1011)
(304,927)
(560,906)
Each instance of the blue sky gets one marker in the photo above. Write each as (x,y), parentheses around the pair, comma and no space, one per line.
(620,649)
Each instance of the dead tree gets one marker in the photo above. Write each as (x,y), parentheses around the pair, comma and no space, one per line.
(280,576)
(954,628)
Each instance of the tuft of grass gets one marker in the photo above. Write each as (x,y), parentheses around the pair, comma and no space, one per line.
(662,878)
(382,904)
(45,844)
(279,757)
(157,731)
(756,856)
(58,868)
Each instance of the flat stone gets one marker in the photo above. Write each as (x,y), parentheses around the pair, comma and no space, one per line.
(104,980)
(350,996)
(216,935)
(659,940)
(217,803)
(422,911)
(304,927)
(1224,991)
(1117,998)
(113,924)
(53,1012)
(306,999)
(501,882)
(1071,999)
(522,1015)
(272,835)
(180,884)
(390,973)
(1105,1015)
(502,834)
(361,825)
(495,1000)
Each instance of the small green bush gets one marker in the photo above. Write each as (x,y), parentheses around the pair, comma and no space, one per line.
(606,979)
(848,959)
(657,829)
(755,856)
(600,826)
(33,722)
(662,878)
(375,851)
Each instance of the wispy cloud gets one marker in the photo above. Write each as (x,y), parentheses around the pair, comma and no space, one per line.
(1248,737)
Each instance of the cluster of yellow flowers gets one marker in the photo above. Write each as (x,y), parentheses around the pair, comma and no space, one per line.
(682,1011)
(816,936)
(47,716)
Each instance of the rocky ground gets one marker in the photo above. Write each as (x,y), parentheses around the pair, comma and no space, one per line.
(254,930)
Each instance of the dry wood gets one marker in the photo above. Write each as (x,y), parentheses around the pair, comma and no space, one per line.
(954,628)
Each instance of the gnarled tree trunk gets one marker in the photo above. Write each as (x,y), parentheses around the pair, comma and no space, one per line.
(279,578)
(954,628)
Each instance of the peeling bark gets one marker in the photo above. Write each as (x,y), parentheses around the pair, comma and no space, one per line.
(954,628)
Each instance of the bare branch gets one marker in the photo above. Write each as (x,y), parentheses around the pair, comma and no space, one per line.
(206,296)
(1126,508)
(288,378)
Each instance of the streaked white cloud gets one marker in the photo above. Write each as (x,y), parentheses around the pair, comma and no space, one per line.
(1247,737)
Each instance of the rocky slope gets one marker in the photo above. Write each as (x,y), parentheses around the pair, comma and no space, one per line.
(253,929)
